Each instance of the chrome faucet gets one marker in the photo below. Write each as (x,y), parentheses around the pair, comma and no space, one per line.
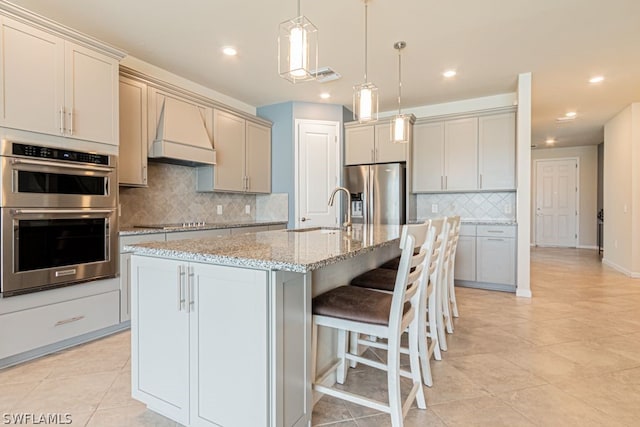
(347,224)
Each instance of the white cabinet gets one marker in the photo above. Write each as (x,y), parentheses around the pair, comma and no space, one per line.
(486,256)
(496,254)
(497,152)
(133,149)
(57,87)
(445,156)
(372,144)
(465,262)
(465,154)
(243,156)
(209,341)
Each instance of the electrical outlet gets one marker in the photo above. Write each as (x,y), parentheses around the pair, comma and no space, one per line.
(507,208)
(434,208)
(247,209)
(219,209)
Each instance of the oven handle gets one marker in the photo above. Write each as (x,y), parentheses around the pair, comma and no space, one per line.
(61,211)
(84,167)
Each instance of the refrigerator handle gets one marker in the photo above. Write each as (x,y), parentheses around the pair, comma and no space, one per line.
(370,203)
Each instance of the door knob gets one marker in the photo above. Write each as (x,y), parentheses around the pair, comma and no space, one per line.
(303,219)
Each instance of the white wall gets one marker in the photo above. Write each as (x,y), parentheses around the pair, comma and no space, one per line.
(588,186)
(622,191)
(523,194)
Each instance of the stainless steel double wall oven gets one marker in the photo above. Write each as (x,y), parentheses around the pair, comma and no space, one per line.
(58,217)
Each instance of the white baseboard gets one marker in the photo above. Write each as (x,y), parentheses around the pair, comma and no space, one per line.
(587,247)
(524,293)
(632,274)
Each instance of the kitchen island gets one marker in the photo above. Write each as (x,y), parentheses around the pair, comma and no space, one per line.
(221,327)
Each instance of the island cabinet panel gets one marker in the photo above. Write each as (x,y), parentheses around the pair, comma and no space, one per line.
(215,345)
(160,337)
(229,331)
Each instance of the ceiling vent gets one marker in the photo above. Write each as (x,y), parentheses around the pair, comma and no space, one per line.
(325,74)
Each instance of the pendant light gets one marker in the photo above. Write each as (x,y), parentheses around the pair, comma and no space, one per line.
(298,49)
(365,96)
(400,123)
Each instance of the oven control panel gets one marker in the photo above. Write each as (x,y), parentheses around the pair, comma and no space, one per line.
(59,154)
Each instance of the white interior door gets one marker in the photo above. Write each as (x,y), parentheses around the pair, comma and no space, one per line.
(556,207)
(317,173)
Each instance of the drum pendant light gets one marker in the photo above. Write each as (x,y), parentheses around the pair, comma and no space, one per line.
(400,123)
(298,49)
(365,96)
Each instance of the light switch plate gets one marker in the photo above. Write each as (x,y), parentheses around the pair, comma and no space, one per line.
(434,208)
(507,208)
(247,209)
(219,209)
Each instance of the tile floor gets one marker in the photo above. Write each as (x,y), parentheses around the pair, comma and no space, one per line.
(568,357)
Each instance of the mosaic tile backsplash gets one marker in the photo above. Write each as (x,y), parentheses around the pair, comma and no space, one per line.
(470,206)
(172,198)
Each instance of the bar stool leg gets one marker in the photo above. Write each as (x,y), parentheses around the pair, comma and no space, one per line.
(341,372)
(393,379)
(414,360)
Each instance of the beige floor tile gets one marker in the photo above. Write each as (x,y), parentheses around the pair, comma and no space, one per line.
(14,393)
(547,405)
(78,394)
(484,411)
(415,418)
(545,364)
(610,393)
(449,384)
(43,419)
(119,394)
(90,359)
(329,410)
(593,357)
(497,375)
(129,416)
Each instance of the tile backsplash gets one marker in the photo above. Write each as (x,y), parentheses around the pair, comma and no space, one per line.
(472,206)
(171,197)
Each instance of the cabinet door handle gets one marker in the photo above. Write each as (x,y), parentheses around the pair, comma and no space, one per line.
(71,122)
(61,120)
(180,287)
(480,181)
(495,240)
(446,184)
(441,182)
(71,320)
(377,156)
(495,231)
(248,183)
(144,174)
(190,285)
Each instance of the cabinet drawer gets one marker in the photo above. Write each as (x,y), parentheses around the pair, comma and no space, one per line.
(29,329)
(496,231)
(468,230)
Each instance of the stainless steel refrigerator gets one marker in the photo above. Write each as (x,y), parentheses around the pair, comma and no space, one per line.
(377,193)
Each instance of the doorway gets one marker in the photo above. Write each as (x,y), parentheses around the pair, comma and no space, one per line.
(556,212)
(317,157)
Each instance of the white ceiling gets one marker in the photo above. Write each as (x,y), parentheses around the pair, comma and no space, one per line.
(562,42)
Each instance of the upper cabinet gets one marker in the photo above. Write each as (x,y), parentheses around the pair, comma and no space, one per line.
(497,152)
(55,86)
(243,159)
(372,144)
(465,154)
(133,147)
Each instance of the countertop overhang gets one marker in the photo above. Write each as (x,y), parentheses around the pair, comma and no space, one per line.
(295,251)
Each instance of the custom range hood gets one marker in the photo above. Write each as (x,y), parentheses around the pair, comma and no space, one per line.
(181,136)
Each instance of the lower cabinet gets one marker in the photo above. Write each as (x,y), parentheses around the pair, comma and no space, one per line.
(209,343)
(486,257)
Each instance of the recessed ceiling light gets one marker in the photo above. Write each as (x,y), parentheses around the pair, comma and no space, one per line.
(325,95)
(571,114)
(550,141)
(229,51)
(596,79)
(449,73)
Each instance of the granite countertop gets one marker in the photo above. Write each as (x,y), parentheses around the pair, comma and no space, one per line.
(128,231)
(299,252)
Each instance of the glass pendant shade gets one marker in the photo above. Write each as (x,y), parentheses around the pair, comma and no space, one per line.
(298,50)
(365,103)
(400,128)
